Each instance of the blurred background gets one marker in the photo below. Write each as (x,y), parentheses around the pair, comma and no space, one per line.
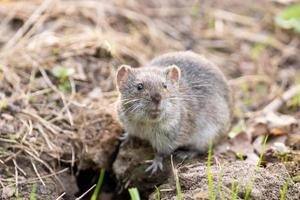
(58,61)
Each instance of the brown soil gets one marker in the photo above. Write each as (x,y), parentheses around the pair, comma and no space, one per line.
(56,132)
(265,183)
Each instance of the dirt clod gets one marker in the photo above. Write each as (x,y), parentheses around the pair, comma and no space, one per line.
(58,122)
(131,163)
(265,183)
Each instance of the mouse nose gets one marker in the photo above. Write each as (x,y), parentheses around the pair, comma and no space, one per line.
(156,98)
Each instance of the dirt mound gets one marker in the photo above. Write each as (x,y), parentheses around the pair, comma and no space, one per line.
(57,67)
(232,180)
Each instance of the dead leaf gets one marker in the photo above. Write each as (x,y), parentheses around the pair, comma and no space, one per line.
(271,143)
(278,131)
(241,146)
(273,124)
(293,140)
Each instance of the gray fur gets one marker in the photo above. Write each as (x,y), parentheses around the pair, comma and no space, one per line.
(194,112)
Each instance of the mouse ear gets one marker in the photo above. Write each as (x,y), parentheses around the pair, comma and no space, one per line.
(123,74)
(173,73)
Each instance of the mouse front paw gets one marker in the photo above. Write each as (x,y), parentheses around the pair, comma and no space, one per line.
(157,164)
(185,155)
(124,139)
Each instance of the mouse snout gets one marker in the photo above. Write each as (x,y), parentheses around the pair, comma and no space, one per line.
(156,98)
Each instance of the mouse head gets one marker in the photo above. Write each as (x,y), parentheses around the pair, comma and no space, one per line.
(148,93)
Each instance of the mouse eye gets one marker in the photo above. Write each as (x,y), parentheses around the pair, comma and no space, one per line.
(140,86)
(165,85)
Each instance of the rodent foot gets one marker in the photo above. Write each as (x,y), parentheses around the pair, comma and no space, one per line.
(184,155)
(156,164)
(124,136)
(124,139)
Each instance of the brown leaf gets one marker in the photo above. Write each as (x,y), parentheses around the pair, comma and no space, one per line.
(278,131)
(241,146)
(273,124)
(293,140)
(258,143)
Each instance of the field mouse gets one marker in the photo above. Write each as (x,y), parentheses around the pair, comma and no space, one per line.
(178,100)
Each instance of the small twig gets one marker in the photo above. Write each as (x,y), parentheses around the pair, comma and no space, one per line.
(63,98)
(37,173)
(73,156)
(1,183)
(47,166)
(12,156)
(19,168)
(16,176)
(30,129)
(33,180)
(250,78)
(45,136)
(244,34)
(32,19)
(28,145)
(229,16)
(39,92)
(81,196)
(46,124)
(8,140)
(279,101)
(60,196)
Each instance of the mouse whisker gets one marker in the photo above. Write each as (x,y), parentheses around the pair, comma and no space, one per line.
(130,101)
(129,108)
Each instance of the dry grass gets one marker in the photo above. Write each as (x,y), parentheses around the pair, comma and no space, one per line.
(47,125)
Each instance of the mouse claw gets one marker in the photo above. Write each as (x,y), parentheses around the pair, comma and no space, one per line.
(124,138)
(155,166)
(185,155)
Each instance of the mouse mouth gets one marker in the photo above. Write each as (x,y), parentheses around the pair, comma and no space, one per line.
(154,113)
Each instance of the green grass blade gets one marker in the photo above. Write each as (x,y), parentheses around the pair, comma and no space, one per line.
(296,178)
(157,193)
(178,187)
(286,185)
(289,18)
(99,184)
(283,190)
(33,192)
(134,194)
(249,186)
(262,150)
(220,183)
(209,176)
(18,196)
(232,190)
